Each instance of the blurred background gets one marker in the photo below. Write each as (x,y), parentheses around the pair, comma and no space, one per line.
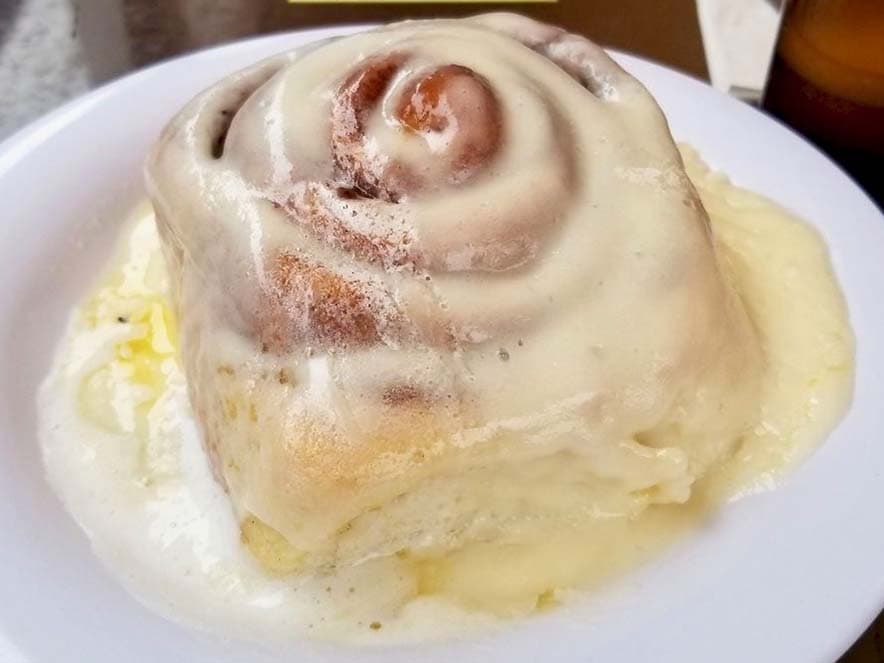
(51,50)
(827,78)
(817,65)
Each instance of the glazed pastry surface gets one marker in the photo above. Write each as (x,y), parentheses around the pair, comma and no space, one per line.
(446,282)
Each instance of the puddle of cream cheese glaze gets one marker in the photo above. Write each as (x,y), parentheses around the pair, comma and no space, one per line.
(121,447)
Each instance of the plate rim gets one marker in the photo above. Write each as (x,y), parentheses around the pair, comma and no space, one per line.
(15,148)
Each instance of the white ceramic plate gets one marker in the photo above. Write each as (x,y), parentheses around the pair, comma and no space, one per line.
(793,575)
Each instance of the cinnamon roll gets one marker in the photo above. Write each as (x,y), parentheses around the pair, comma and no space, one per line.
(441,282)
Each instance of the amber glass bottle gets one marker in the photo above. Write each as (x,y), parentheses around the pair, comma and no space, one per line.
(827,81)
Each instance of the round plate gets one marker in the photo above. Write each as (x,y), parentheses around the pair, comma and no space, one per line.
(791,575)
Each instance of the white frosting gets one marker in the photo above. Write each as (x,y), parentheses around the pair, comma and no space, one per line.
(563,302)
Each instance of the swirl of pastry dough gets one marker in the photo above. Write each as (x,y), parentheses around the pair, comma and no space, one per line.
(417,152)
(412,151)
(439,249)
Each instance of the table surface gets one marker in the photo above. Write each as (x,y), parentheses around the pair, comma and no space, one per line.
(870,647)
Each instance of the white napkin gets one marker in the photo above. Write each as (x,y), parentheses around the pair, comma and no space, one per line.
(739,37)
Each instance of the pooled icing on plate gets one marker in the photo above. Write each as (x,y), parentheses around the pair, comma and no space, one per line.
(121,447)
